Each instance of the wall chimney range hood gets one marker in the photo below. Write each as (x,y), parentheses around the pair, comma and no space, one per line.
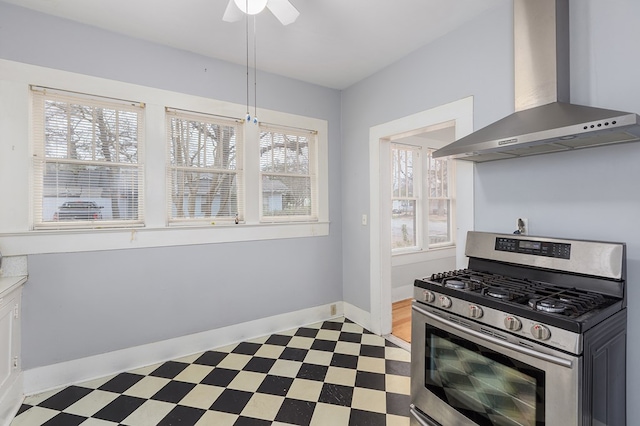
(544,120)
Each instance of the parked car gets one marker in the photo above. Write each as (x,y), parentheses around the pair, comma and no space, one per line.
(78,210)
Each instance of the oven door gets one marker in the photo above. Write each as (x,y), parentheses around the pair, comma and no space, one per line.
(464,374)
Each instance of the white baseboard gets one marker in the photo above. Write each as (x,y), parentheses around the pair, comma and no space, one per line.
(54,376)
(357,315)
(401,293)
(10,402)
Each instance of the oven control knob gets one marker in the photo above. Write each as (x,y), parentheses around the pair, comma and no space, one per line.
(512,323)
(428,296)
(540,332)
(475,311)
(445,302)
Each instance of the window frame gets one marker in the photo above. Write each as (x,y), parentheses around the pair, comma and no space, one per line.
(423,200)
(40,96)
(417,198)
(16,231)
(311,175)
(450,198)
(238,171)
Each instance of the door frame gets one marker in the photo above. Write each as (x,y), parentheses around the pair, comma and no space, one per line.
(461,113)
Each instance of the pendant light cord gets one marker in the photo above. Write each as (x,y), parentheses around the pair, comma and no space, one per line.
(247,40)
(255,67)
(255,70)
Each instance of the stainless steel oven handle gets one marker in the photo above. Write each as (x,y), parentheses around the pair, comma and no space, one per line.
(419,418)
(546,357)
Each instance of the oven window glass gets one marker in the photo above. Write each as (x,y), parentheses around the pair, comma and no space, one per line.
(486,386)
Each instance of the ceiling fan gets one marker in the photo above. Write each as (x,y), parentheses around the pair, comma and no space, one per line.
(281,9)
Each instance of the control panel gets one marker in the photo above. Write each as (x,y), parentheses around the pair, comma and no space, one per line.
(496,322)
(536,248)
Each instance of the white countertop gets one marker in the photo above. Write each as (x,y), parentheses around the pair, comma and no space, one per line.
(13,273)
(8,284)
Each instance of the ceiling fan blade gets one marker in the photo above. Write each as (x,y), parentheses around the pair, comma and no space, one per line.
(283,10)
(232,13)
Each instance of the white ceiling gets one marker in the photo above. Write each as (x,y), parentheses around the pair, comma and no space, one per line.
(334,43)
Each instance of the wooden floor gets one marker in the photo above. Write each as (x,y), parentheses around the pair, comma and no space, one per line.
(401,317)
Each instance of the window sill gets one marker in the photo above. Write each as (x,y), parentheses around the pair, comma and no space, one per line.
(39,242)
(409,257)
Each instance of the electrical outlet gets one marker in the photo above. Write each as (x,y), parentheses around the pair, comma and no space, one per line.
(522,225)
(364,219)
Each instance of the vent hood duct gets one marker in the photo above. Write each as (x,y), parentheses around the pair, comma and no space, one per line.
(544,120)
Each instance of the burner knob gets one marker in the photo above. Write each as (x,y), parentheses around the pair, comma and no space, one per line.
(512,323)
(540,332)
(445,302)
(475,311)
(428,296)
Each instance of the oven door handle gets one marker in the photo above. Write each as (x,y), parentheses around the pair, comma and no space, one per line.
(546,357)
(419,418)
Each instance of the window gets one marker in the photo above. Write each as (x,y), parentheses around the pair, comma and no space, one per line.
(97,170)
(439,200)
(86,162)
(205,170)
(287,174)
(421,213)
(405,196)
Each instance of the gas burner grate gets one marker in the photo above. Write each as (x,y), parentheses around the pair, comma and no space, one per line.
(548,305)
(570,302)
(456,283)
(539,296)
(498,293)
(462,279)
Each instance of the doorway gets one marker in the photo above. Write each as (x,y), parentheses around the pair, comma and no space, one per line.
(422,225)
(401,320)
(460,115)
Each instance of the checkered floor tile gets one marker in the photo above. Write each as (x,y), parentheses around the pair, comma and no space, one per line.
(330,373)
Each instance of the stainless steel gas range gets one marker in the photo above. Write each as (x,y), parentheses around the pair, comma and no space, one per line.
(532,333)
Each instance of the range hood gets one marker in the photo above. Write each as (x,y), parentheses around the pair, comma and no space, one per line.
(544,120)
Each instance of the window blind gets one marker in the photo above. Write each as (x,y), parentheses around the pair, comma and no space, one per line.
(406,197)
(440,214)
(288,184)
(205,179)
(87,168)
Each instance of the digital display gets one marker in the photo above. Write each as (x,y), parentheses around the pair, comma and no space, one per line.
(532,245)
(534,248)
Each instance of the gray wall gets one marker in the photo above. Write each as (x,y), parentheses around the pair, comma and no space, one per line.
(403,276)
(474,60)
(81,304)
(590,194)
(77,305)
